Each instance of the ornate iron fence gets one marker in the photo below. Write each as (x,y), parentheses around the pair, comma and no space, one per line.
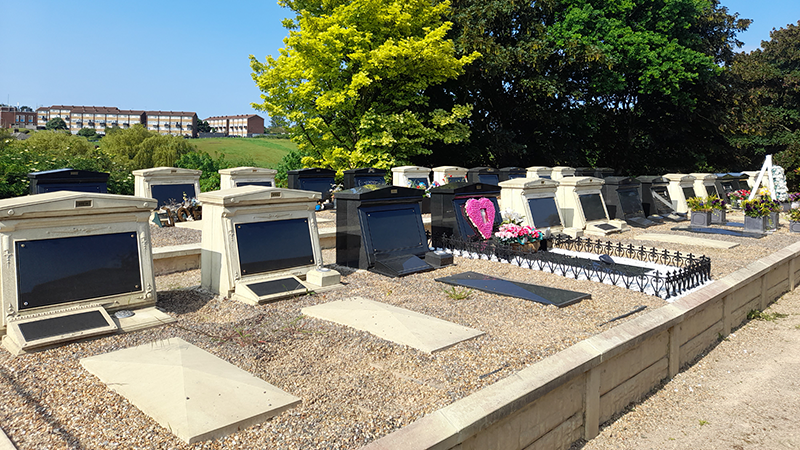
(690,270)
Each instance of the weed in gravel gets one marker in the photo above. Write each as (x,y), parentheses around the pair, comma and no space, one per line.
(769,317)
(703,422)
(457,294)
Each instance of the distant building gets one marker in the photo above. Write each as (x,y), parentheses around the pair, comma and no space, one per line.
(242,125)
(177,123)
(12,117)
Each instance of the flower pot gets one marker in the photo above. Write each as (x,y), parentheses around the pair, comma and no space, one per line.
(755,224)
(719,216)
(774,220)
(701,218)
(794,227)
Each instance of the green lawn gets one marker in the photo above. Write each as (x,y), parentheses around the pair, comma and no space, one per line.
(264,152)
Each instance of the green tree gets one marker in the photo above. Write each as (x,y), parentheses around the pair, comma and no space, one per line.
(352,77)
(767,111)
(145,149)
(87,132)
(587,82)
(56,123)
(203,126)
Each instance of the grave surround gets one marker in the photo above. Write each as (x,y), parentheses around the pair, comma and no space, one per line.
(246,176)
(254,235)
(101,232)
(165,183)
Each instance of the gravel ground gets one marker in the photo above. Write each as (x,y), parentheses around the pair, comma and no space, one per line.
(354,387)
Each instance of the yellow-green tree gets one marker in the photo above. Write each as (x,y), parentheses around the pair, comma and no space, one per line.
(352,77)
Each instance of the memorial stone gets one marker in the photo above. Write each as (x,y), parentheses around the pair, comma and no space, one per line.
(167,184)
(704,184)
(583,208)
(624,202)
(536,200)
(448,214)
(559,172)
(379,228)
(510,173)
(314,179)
(414,177)
(449,174)
(584,172)
(656,200)
(485,175)
(246,176)
(68,180)
(603,172)
(680,188)
(539,172)
(726,183)
(354,178)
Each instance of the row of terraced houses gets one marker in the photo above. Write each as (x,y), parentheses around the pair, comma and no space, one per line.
(177,123)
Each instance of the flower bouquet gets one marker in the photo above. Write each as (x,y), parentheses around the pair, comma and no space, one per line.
(737,196)
(521,235)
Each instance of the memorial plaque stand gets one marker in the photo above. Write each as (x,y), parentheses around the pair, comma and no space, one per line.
(584,172)
(261,244)
(680,188)
(485,175)
(167,184)
(246,176)
(726,183)
(656,200)
(559,172)
(379,228)
(583,208)
(511,173)
(354,178)
(70,257)
(623,201)
(704,184)
(603,172)
(68,180)
(314,180)
(535,199)
(539,172)
(447,209)
(449,174)
(414,177)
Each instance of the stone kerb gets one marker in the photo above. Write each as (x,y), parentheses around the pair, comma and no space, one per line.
(611,370)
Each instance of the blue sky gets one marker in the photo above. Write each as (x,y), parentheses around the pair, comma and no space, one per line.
(179,55)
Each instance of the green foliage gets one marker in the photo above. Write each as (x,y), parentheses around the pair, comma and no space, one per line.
(203,126)
(50,150)
(56,123)
(630,84)
(457,294)
(794,215)
(352,79)
(767,112)
(698,204)
(265,152)
(209,179)
(292,161)
(145,149)
(87,132)
(765,316)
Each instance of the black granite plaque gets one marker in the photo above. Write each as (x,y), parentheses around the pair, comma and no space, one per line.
(397,266)
(171,193)
(718,231)
(369,180)
(456,180)
(544,212)
(711,190)
(630,202)
(56,326)
(605,226)
(321,185)
(274,245)
(728,186)
(389,229)
(489,178)
(465,225)
(68,180)
(592,207)
(63,270)
(688,193)
(533,292)
(278,286)
(254,183)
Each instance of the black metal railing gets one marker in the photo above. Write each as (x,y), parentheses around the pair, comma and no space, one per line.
(690,270)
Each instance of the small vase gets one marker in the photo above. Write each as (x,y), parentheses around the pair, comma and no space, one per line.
(755,224)
(719,216)
(701,218)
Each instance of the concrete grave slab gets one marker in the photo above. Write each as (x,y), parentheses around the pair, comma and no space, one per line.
(187,390)
(398,325)
(688,240)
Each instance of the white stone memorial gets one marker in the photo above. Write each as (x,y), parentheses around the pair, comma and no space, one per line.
(166,184)
(246,176)
(448,174)
(704,184)
(411,176)
(583,207)
(261,244)
(751,181)
(536,200)
(680,188)
(560,172)
(539,172)
(70,258)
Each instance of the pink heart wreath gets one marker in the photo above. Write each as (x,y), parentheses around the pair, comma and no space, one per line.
(481,213)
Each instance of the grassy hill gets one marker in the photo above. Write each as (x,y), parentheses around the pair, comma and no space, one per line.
(264,152)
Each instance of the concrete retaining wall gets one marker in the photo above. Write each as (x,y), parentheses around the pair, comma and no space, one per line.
(567,396)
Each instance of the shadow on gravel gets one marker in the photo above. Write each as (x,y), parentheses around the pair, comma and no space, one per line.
(183,301)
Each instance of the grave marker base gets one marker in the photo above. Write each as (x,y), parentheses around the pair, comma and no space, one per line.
(533,292)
